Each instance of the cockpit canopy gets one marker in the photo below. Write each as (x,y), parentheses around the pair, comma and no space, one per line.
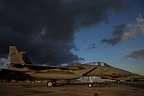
(100,64)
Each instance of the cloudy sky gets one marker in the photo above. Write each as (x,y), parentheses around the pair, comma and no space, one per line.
(55,32)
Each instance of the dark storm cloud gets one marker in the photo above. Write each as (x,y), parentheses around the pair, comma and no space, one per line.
(137,54)
(45,28)
(117,35)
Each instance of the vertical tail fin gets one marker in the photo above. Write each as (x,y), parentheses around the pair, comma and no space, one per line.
(15,56)
(25,57)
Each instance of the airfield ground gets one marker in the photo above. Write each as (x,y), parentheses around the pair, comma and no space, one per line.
(75,89)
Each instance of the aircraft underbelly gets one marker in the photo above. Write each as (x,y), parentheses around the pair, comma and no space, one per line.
(54,76)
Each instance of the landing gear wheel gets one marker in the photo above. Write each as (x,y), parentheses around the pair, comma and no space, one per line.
(89,85)
(49,84)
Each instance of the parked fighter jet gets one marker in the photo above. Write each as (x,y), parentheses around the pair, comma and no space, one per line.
(99,69)
(52,74)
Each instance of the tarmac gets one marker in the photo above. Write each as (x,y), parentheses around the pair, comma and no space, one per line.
(74,89)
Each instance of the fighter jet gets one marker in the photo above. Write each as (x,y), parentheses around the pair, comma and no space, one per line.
(99,69)
(36,71)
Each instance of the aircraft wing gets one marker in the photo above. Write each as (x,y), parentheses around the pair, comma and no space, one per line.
(83,70)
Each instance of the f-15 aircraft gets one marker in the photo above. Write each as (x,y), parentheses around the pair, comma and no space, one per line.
(100,69)
(18,65)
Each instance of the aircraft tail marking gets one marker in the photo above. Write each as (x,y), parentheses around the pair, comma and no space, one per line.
(15,56)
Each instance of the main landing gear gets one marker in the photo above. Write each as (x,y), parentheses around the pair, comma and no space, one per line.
(51,83)
(90,85)
(90,81)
